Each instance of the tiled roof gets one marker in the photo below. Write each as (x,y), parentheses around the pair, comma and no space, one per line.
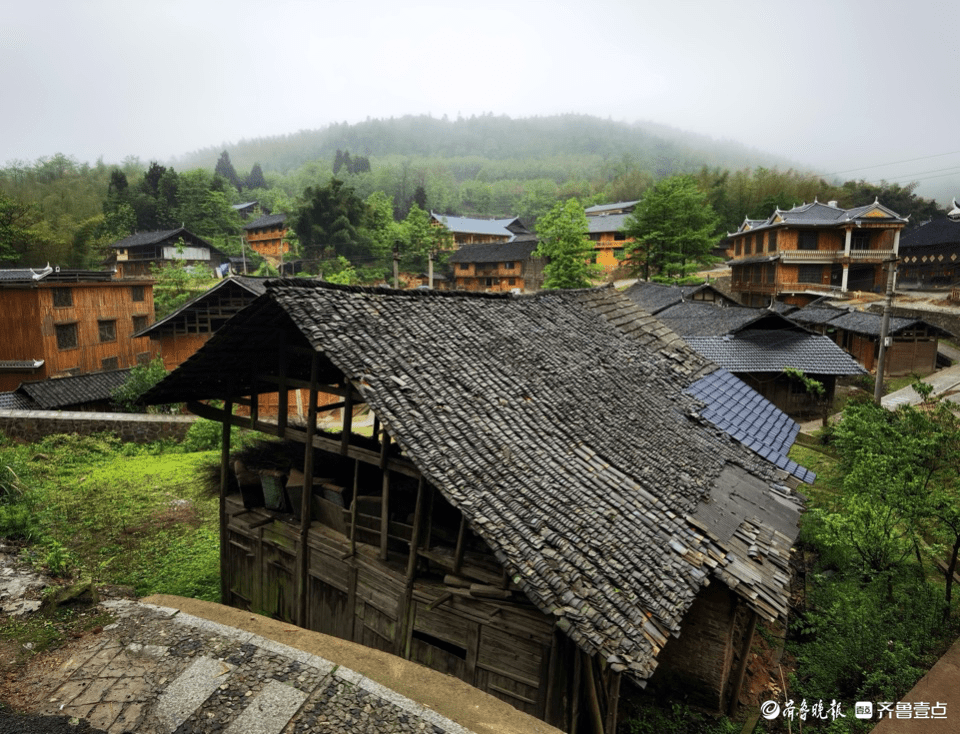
(937,232)
(476,226)
(871,324)
(16,401)
(618,206)
(63,392)
(654,297)
(700,318)
(755,350)
(143,239)
(737,409)
(822,215)
(560,431)
(268,220)
(608,223)
(815,315)
(23,275)
(495,252)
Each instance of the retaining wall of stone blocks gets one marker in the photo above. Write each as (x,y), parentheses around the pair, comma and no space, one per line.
(32,425)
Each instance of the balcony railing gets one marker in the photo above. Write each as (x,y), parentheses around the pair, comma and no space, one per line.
(828,256)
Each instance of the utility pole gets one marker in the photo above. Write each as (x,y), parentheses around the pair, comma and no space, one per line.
(243,252)
(396,264)
(430,268)
(884,330)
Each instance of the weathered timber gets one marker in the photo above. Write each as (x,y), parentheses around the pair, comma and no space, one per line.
(385,515)
(224,479)
(306,496)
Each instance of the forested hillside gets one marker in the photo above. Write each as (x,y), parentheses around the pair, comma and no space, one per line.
(66,212)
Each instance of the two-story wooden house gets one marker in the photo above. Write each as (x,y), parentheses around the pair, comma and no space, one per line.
(70,322)
(605,228)
(266,236)
(802,253)
(509,267)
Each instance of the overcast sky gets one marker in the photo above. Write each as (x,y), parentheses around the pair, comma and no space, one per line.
(835,85)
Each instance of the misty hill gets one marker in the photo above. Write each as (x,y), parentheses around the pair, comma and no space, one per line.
(658,149)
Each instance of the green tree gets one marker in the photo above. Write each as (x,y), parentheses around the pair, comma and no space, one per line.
(225,169)
(18,229)
(564,242)
(673,229)
(330,222)
(140,379)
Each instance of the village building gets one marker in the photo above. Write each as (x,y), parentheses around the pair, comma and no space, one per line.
(605,224)
(57,322)
(499,525)
(266,236)
(655,297)
(930,252)
(136,256)
(800,254)
(912,347)
(470,231)
(756,345)
(510,267)
(93,392)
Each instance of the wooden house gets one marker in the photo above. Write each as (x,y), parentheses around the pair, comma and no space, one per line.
(802,253)
(471,231)
(930,252)
(136,255)
(266,236)
(499,526)
(70,322)
(912,347)
(605,224)
(509,267)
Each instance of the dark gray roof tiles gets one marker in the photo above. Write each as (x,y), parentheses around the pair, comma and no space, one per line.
(16,401)
(468,225)
(268,220)
(772,351)
(654,297)
(518,250)
(818,214)
(815,315)
(145,239)
(871,324)
(699,318)
(247,289)
(64,392)
(598,209)
(942,231)
(606,223)
(568,444)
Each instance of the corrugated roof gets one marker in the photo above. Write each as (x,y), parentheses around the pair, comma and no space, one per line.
(560,431)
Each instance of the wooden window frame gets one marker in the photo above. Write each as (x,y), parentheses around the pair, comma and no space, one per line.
(62,297)
(61,330)
(106,327)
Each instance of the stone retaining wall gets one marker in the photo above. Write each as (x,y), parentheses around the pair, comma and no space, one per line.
(32,425)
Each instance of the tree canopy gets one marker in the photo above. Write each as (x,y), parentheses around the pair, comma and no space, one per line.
(673,230)
(564,242)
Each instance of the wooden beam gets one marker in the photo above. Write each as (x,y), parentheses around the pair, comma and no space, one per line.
(742,666)
(461,542)
(385,515)
(347,420)
(613,701)
(303,553)
(224,481)
(415,536)
(592,698)
(384,447)
(353,509)
(283,408)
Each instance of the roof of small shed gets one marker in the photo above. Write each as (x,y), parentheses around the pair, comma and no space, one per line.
(559,425)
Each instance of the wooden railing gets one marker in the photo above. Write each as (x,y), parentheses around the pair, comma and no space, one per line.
(790,256)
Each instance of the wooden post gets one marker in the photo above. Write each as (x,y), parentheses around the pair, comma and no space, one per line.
(575,693)
(384,447)
(224,481)
(613,700)
(254,402)
(461,542)
(353,508)
(303,555)
(405,605)
(415,534)
(742,666)
(347,419)
(384,514)
(592,697)
(282,392)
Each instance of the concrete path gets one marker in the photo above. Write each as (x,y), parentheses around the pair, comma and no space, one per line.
(194,667)
(945,382)
(932,706)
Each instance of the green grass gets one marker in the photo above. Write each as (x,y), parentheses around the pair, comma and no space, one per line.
(118,513)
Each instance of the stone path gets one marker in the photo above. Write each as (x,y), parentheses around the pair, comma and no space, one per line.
(160,670)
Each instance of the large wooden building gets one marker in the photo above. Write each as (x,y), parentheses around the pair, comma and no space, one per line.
(472,231)
(802,253)
(509,267)
(500,525)
(70,322)
(605,224)
(266,236)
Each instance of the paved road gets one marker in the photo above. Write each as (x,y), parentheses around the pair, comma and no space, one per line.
(159,670)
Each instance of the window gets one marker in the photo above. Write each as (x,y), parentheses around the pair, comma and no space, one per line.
(807,240)
(138,293)
(810,273)
(619,236)
(511,281)
(108,331)
(738,248)
(464,266)
(508,266)
(62,297)
(143,358)
(860,241)
(66,336)
(110,363)
(759,242)
(748,245)
(772,241)
(140,323)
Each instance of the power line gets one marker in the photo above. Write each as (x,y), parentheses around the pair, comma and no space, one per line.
(894,163)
